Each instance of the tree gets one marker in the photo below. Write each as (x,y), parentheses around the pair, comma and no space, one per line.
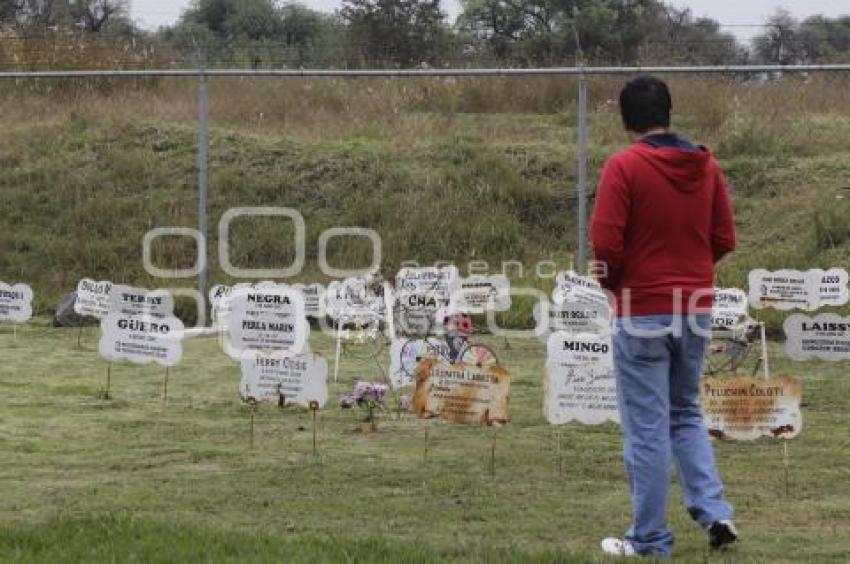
(256,32)
(397,32)
(780,43)
(825,39)
(88,15)
(94,15)
(546,32)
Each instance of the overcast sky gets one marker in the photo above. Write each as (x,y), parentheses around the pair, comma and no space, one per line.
(742,16)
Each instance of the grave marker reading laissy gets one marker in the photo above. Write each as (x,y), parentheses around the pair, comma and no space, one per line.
(826,337)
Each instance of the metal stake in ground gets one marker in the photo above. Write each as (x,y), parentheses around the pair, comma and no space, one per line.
(108,379)
(314,407)
(253,408)
(425,451)
(786,463)
(165,386)
(493,452)
(80,337)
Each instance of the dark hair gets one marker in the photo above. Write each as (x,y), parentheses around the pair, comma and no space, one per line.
(645,104)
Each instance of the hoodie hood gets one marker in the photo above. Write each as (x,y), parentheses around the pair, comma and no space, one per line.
(685,165)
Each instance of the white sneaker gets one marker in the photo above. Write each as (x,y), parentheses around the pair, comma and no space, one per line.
(618,547)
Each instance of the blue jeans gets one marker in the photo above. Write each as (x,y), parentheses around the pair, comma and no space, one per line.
(658,378)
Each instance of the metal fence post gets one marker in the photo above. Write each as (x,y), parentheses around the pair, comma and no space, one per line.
(581,188)
(203,174)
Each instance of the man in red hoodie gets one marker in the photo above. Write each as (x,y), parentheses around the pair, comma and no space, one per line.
(662,220)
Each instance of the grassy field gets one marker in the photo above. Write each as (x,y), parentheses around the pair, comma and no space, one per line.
(458,170)
(137,479)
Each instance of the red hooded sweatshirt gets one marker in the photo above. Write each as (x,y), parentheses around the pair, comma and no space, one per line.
(662,219)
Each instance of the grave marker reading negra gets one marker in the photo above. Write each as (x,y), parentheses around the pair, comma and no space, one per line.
(267,318)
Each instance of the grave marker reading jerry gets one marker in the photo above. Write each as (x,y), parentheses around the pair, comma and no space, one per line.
(826,337)
(287,380)
(579,383)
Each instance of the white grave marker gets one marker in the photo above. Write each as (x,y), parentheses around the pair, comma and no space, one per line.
(479,294)
(577,289)
(314,299)
(93,298)
(833,288)
(267,318)
(352,300)
(826,337)
(15,303)
(784,289)
(141,327)
(730,307)
(301,379)
(580,383)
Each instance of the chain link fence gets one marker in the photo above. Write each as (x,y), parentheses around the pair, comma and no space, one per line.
(492,169)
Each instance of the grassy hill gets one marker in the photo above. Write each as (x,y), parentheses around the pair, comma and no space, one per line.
(444,170)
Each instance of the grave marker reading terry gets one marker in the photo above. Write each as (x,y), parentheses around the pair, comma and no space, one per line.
(141,327)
